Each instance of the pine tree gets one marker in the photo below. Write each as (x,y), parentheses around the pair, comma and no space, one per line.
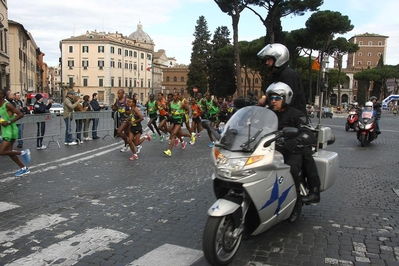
(198,68)
(221,64)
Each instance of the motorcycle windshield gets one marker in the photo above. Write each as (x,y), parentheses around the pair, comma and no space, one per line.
(246,127)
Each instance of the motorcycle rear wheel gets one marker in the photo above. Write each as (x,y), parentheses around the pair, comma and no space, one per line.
(218,243)
(363,140)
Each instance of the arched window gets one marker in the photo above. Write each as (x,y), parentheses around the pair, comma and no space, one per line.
(167,78)
(182,79)
(175,79)
(256,80)
(369,54)
(368,63)
(360,54)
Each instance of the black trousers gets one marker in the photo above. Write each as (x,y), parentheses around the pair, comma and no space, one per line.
(41,129)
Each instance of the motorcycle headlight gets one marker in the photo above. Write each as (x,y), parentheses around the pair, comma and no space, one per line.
(361,125)
(234,167)
(368,126)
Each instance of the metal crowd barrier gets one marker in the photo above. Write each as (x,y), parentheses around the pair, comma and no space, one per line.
(30,131)
(105,123)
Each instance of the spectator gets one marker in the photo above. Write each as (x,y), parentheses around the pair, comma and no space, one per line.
(69,105)
(79,122)
(86,122)
(95,107)
(40,108)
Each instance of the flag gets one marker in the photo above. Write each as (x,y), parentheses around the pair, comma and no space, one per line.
(316,64)
(149,67)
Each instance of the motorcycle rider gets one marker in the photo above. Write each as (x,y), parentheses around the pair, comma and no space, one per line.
(277,56)
(377,113)
(279,97)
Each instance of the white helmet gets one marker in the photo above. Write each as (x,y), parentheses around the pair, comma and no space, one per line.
(277,51)
(355,104)
(281,89)
(369,104)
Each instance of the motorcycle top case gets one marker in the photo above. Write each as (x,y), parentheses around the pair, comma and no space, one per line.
(327,167)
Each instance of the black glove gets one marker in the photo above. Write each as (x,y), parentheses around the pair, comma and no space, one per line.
(290,144)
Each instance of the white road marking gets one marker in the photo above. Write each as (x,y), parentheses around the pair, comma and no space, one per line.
(5,206)
(43,221)
(167,255)
(41,167)
(70,251)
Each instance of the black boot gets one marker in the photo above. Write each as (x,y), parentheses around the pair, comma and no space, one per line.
(296,212)
(313,196)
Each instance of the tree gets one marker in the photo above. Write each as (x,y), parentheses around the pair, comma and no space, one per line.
(198,68)
(221,65)
(233,8)
(276,9)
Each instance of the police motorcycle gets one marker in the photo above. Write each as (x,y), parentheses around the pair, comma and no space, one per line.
(253,186)
(366,125)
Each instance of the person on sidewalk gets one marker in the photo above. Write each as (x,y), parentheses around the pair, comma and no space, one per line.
(8,115)
(69,106)
(40,107)
(96,108)
(86,122)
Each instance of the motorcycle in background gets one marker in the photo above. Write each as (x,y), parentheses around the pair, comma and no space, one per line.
(253,186)
(352,120)
(366,127)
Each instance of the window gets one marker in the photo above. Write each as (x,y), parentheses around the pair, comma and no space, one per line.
(85,49)
(119,51)
(126,65)
(119,82)
(119,64)
(70,49)
(141,83)
(126,53)
(100,64)
(85,64)
(256,80)
(100,82)
(126,82)
(130,66)
(361,43)
(135,82)
(167,79)
(112,50)
(379,54)
(112,82)
(71,63)
(112,64)
(135,54)
(85,81)
(149,83)
(359,63)
(149,56)
(360,54)
(135,66)
(175,79)
(130,82)
(380,43)
(370,43)
(101,49)
(182,79)
(130,53)
(142,55)
(368,63)
(369,54)
(70,81)
(141,67)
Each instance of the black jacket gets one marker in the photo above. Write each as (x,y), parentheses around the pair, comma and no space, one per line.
(292,117)
(40,107)
(94,104)
(292,79)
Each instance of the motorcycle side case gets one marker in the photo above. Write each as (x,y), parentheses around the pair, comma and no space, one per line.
(327,167)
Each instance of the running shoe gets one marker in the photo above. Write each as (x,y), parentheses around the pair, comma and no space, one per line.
(26,155)
(138,149)
(177,141)
(22,172)
(125,148)
(161,138)
(167,136)
(183,145)
(211,144)
(192,142)
(198,135)
(154,136)
(72,143)
(43,147)
(168,153)
(148,137)
(134,157)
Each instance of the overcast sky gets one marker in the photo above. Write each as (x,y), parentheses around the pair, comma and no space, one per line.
(171,23)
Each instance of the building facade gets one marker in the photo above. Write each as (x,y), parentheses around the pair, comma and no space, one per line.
(4,47)
(106,62)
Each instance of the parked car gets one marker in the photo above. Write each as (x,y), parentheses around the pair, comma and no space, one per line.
(103,105)
(326,113)
(57,108)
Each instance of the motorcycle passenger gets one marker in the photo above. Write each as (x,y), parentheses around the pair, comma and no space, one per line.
(377,113)
(277,56)
(279,97)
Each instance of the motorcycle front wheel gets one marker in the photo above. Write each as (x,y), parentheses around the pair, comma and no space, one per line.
(363,140)
(218,243)
(346,126)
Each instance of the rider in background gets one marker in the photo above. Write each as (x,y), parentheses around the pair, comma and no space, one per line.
(279,96)
(377,113)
